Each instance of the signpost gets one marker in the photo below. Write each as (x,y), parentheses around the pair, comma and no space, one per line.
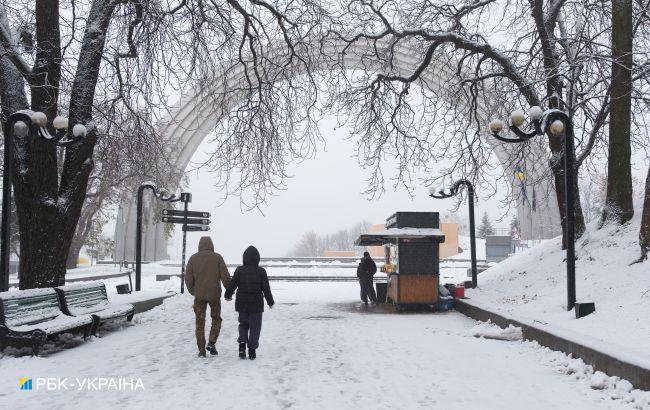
(179,220)
(196,228)
(192,221)
(190,214)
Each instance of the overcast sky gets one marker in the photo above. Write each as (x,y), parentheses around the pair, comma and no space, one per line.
(325,194)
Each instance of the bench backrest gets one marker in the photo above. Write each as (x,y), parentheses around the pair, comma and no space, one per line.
(26,307)
(84,298)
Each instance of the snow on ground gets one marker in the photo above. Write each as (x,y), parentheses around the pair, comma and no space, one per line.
(464,242)
(319,350)
(532,286)
(451,271)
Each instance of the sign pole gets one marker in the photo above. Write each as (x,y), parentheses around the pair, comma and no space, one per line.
(138,239)
(186,199)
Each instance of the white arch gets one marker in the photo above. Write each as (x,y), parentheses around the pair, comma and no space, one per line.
(193,117)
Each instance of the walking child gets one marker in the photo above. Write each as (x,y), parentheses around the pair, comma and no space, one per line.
(252,285)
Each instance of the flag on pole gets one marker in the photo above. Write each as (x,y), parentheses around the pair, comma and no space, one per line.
(519,173)
(533,203)
(521,177)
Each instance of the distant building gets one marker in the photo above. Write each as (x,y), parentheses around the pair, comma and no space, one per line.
(497,247)
(450,246)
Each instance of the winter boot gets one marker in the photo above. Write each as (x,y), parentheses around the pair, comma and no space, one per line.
(242,350)
(251,354)
(202,353)
(210,347)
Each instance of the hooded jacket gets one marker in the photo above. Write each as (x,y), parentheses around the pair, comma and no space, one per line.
(204,271)
(367,268)
(251,283)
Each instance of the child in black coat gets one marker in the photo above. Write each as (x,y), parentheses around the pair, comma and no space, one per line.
(252,285)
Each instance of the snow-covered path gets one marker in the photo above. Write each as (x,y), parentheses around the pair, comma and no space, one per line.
(318,350)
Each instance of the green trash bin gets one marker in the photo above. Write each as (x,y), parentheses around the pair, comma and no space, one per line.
(382,287)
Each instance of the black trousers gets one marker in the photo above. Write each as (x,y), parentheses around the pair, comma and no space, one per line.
(250,326)
(367,289)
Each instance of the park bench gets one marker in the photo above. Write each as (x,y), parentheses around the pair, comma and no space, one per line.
(34,315)
(91,299)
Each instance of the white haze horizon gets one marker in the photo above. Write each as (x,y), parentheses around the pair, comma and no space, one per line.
(324,194)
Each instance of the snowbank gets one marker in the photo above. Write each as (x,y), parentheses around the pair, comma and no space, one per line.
(532,286)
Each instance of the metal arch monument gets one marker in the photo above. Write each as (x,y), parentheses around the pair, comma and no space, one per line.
(194,116)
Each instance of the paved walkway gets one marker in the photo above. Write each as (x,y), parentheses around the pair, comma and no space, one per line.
(313,354)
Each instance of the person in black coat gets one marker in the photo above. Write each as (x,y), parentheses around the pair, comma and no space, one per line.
(365,271)
(252,285)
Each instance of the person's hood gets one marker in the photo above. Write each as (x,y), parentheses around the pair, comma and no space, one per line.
(251,256)
(205,244)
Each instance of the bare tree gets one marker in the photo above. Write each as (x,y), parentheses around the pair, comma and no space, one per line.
(128,152)
(313,244)
(644,231)
(510,55)
(85,57)
(618,202)
(310,244)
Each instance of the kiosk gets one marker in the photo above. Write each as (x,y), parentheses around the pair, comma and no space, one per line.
(412,241)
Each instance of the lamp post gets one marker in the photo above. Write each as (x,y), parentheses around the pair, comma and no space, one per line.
(160,195)
(557,123)
(453,191)
(22,124)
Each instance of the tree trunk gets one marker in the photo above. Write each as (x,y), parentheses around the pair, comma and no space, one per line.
(618,202)
(48,210)
(83,228)
(556,144)
(555,89)
(644,231)
(13,98)
(558,178)
(73,254)
(42,264)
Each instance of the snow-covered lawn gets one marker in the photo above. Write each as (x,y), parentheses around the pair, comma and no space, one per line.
(532,286)
(319,349)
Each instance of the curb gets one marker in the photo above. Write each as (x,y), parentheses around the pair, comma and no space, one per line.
(637,375)
(148,304)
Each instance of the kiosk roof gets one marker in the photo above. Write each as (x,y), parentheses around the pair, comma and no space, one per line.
(392,234)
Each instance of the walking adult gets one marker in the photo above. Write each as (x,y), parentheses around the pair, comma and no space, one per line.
(204,274)
(365,272)
(252,285)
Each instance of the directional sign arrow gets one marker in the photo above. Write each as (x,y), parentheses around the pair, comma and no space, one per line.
(179,220)
(189,214)
(195,228)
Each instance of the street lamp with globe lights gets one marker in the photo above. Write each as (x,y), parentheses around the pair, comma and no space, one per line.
(22,124)
(557,123)
(440,193)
